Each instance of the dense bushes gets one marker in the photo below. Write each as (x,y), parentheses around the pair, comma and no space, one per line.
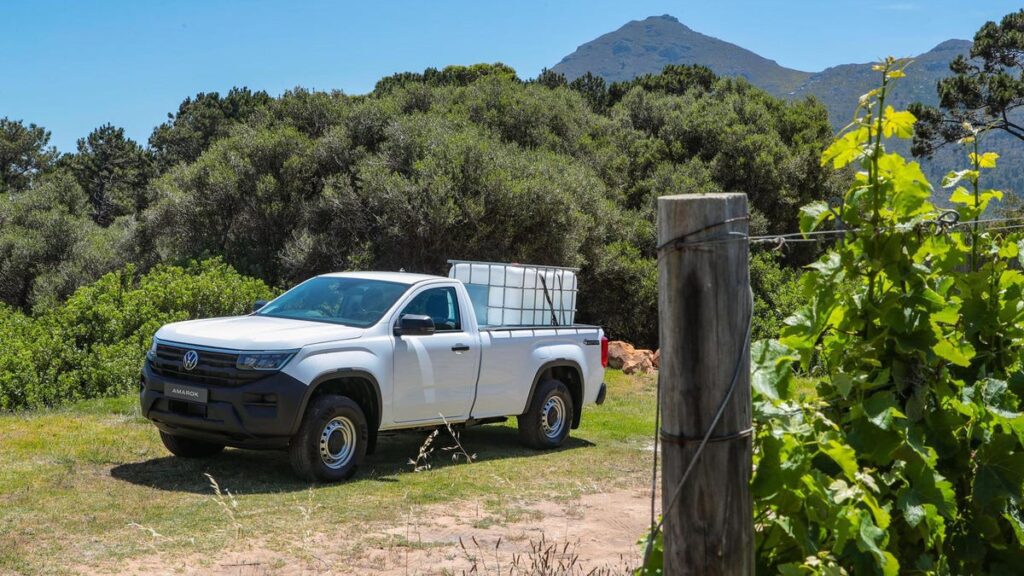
(465,162)
(434,190)
(776,294)
(624,311)
(93,344)
(49,244)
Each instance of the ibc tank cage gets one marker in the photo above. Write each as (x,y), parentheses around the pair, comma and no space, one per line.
(505,294)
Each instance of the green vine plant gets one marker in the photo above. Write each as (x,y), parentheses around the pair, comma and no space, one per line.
(907,458)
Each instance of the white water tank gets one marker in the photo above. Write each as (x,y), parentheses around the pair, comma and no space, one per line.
(519,295)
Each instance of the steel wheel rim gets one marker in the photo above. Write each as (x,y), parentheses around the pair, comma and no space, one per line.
(341,433)
(552,417)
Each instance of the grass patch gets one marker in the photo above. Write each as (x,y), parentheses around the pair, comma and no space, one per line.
(92,484)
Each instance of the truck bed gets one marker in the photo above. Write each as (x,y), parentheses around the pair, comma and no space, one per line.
(506,350)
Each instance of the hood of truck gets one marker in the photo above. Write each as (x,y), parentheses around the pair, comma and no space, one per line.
(255,333)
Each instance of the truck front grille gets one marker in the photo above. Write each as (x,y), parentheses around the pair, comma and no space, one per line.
(213,368)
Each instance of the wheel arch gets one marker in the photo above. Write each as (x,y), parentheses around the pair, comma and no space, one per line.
(567,372)
(359,385)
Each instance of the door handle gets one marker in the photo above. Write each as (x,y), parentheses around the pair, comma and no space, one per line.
(460,348)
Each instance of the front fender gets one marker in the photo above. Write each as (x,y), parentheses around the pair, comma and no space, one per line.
(321,363)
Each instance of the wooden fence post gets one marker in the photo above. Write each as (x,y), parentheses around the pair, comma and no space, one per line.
(704,311)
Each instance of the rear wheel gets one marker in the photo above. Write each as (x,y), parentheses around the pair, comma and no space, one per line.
(331,441)
(189,447)
(548,418)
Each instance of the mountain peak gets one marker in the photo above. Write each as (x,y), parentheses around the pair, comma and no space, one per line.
(660,23)
(654,25)
(647,46)
(952,45)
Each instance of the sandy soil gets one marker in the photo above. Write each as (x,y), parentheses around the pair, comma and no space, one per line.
(594,534)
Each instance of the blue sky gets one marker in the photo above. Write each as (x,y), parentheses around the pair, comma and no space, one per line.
(72,66)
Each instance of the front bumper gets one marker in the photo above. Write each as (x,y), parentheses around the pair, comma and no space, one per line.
(259,414)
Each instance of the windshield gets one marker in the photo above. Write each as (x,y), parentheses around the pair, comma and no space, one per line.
(350,301)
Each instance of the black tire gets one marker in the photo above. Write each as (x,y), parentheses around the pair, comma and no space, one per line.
(548,418)
(183,447)
(339,422)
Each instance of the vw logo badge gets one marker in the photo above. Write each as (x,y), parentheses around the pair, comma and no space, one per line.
(189,360)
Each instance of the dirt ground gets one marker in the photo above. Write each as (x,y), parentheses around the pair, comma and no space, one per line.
(594,534)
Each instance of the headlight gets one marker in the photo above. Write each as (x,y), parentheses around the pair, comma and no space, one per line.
(151,353)
(263,360)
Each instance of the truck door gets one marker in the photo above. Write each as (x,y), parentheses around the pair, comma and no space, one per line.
(435,374)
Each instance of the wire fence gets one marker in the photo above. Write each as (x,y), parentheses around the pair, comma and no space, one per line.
(947,221)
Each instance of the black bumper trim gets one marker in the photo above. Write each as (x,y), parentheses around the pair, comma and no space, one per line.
(262,413)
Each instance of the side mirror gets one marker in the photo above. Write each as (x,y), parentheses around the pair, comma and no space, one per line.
(414,325)
(258,304)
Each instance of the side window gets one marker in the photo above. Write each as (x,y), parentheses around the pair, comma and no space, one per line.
(441,304)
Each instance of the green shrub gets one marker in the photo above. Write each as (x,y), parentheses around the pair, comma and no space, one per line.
(776,294)
(18,373)
(621,294)
(93,344)
(49,245)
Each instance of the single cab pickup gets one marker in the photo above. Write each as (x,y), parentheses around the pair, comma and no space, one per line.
(323,368)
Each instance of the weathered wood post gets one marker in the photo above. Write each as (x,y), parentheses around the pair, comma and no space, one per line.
(704,307)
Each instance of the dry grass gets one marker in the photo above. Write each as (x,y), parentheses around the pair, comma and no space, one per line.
(90,487)
(543,557)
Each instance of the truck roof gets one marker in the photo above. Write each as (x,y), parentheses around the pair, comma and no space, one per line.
(398,277)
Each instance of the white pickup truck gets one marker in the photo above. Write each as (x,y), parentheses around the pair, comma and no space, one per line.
(324,367)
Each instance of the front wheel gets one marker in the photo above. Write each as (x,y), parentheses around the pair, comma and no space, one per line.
(332,440)
(548,418)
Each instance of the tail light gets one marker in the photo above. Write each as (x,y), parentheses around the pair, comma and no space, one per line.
(604,351)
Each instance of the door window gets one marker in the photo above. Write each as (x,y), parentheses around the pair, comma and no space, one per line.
(441,304)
